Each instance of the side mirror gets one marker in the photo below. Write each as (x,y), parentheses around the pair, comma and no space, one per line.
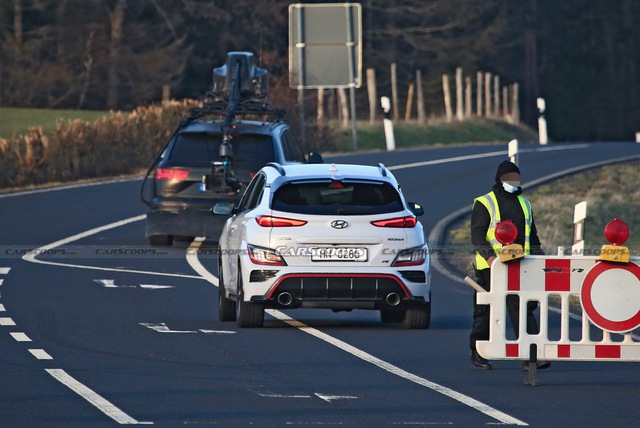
(314,158)
(223,208)
(416,209)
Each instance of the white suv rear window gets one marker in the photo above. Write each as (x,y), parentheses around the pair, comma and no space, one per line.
(337,198)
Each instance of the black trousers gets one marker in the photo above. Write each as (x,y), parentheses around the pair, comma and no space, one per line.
(480,329)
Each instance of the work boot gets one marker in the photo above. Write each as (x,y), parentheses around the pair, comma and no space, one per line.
(541,365)
(479,362)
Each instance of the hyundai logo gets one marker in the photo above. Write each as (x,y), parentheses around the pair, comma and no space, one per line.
(339,224)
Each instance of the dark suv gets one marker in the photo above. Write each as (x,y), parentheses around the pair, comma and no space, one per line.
(212,160)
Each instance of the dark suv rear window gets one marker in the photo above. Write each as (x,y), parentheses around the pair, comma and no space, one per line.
(250,151)
(336,197)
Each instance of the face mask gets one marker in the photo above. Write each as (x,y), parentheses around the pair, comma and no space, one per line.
(509,186)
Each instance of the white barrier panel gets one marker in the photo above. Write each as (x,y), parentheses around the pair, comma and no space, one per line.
(604,298)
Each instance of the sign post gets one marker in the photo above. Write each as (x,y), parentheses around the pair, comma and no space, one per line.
(325,50)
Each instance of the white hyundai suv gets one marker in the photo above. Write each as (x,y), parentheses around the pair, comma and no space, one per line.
(332,236)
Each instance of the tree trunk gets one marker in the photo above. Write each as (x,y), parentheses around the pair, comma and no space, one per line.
(17,25)
(116,19)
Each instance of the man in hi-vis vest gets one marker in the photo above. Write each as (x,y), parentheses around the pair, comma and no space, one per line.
(503,202)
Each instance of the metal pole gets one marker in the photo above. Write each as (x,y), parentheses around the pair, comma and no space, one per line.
(352,75)
(302,82)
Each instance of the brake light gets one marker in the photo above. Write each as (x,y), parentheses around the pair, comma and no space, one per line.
(171,174)
(270,221)
(396,222)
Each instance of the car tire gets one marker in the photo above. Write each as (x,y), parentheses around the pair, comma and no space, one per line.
(226,306)
(392,315)
(161,240)
(248,314)
(418,317)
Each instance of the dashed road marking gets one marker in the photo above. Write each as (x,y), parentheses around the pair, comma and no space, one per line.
(40,354)
(20,337)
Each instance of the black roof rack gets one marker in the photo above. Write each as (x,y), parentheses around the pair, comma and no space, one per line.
(383,169)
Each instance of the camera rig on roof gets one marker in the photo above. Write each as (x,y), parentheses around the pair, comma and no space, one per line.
(237,92)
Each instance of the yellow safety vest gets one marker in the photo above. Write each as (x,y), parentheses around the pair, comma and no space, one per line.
(491,203)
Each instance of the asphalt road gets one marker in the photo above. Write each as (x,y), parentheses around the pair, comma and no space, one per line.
(98,329)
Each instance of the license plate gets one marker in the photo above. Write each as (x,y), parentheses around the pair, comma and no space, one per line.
(338,254)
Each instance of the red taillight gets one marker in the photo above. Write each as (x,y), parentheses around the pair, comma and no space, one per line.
(172,174)
(270,221)
(396,222)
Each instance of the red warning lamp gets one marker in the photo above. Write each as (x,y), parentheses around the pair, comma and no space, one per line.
(616,232)
(506,232)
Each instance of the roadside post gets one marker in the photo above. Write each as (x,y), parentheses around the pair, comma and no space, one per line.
(542,122)
(513,151)
(388,124)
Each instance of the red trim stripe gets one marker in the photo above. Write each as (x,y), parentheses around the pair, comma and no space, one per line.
(557,276)
(607,351)
(513,276)
(564,351)
(512,350)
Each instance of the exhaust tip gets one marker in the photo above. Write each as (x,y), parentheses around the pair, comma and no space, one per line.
(285,298)
(393,299)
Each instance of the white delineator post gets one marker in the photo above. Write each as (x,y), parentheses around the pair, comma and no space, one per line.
(513,151)
(388,124)
(579,217)
(542,122)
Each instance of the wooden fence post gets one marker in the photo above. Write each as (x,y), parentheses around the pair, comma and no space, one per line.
(515,106)
(320,111)
(505,105)
(373,96)
(487,94)
(447,97)
(407,113)
(344,107)
(496,95)
(395,113)
(420,101)
(467,94)
(459,99)
(479,83)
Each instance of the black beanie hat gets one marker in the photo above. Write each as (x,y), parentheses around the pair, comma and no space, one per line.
(505,168)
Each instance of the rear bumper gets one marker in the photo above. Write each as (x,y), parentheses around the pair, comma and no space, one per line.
(184,222)
(355,290)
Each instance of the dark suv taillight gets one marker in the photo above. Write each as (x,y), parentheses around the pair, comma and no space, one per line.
(177,174)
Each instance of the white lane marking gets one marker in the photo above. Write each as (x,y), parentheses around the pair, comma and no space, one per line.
(40,354)
(2,309)
(464,399)
(31,256)
(155,287)
(478,156)
(4,270)
(20,337)
(330,398)
(101,403)
(217,331)
(6,321)
(162,328)
(67,187)
(194,261)
(1,281)
(111,283)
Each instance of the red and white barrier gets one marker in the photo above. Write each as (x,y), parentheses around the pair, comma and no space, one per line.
(604,297)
